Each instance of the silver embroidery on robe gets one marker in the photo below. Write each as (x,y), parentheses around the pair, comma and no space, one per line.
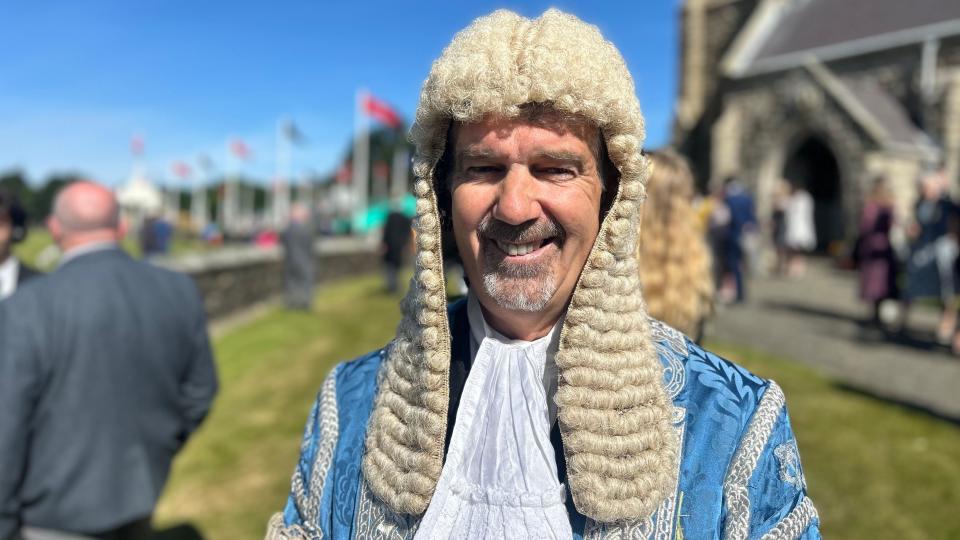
(789,459)
(374,520)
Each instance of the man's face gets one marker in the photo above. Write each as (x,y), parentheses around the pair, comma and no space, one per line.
(526,210)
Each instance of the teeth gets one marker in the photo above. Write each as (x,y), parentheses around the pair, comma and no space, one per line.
(518,249)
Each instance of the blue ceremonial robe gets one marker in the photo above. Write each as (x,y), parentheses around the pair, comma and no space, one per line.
(738,476)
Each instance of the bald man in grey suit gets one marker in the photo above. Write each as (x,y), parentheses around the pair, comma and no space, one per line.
(105,371)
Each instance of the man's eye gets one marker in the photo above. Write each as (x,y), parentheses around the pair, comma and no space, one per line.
(557,172)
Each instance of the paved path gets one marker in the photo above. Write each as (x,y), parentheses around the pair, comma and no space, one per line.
(817,320)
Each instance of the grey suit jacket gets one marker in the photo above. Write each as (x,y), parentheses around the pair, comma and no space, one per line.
(105,370)
(26,273)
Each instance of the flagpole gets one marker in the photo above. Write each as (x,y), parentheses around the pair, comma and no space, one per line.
(137,148)
(275,181)
(220,212)
(306,192)
(398,182)
(229,194)
(172,201)
(248,205)
(361,154)
(195,218)
(198,203)
(281,197)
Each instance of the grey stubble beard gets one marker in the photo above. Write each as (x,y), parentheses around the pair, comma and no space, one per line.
(519,294)
(525,288)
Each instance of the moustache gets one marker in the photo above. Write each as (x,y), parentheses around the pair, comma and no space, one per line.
(530,231)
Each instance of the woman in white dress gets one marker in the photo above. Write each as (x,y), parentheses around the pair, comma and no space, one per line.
(800,235)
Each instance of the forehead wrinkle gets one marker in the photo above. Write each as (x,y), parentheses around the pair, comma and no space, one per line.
(560,155)
(477,151)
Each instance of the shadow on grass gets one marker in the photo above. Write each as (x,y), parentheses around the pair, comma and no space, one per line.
(182,531)
(866,332)
(896,402)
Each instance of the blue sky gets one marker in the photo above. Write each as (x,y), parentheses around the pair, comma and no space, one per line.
(79,79)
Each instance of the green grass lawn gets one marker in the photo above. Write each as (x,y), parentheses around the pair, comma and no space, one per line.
(875,470)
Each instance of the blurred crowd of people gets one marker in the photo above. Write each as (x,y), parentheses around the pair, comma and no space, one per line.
(699,251)
(906,259)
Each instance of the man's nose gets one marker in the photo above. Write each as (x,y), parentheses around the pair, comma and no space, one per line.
(517,202)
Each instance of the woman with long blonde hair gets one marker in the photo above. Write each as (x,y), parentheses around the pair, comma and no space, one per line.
(673,254)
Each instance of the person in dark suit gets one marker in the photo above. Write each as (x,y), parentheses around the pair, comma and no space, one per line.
(13,229)
(105,371)
(743,222)
(394,246)
(299,262)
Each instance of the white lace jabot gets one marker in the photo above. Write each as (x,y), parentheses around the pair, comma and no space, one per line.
(500,476)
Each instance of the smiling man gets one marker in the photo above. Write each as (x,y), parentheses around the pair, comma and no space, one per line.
(547,404)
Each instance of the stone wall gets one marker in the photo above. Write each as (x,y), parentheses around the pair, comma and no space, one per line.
(708,27)
(774,114)
(951,133)
(234,278)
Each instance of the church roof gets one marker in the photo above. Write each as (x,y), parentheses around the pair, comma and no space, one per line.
(784,33)
(818,23)
(887,111)
(880,114)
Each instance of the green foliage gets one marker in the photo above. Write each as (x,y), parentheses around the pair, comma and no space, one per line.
(14,182)
(29,250)
(36,201)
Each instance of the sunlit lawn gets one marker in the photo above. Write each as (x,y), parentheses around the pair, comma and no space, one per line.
(875,470)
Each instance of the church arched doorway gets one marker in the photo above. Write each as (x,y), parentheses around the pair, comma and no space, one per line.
(813,166)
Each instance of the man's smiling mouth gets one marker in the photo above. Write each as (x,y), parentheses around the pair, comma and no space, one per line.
(520,249)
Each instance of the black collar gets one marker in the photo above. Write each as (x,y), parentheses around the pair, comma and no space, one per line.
(460,361)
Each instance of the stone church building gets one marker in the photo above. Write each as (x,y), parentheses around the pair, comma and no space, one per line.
(827,94)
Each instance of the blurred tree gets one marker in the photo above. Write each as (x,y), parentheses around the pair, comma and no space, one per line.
(36,200)
(14,181)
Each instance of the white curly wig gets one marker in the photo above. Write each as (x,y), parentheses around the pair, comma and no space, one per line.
(614,413)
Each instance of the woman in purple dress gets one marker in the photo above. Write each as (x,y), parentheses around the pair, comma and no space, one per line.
(875,256)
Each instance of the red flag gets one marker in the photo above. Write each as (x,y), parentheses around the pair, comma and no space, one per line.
(380,111)
(180,169)
(239,149)
(136,145)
